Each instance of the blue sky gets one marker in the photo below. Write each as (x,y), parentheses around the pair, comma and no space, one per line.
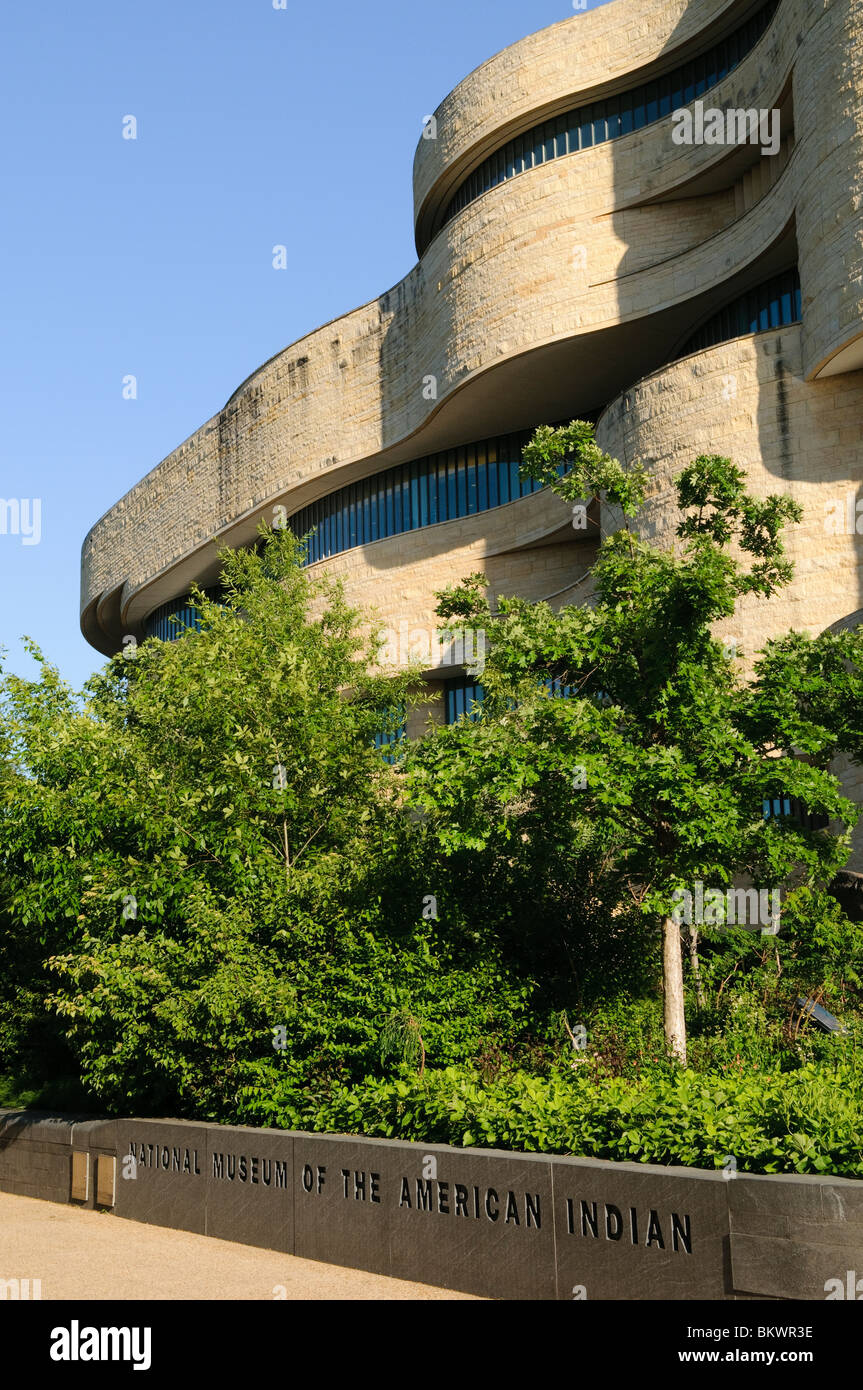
(153,257)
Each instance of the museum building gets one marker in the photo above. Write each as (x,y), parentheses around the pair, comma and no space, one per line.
(580,256)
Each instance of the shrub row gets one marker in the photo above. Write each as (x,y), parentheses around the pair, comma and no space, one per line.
(808,1121)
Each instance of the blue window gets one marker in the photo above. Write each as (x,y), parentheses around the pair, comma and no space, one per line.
(790,808)
(460,482)
(442,492)
(556,688)
(481,479)
(462,700)
(638,109)
(451,494)
(173,619)
(700,76)
(470,465)
(388,740)
(775,304)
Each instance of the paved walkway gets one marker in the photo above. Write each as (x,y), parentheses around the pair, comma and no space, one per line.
(81,1254)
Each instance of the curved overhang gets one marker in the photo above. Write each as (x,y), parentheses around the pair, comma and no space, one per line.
(495,312)
(551,71)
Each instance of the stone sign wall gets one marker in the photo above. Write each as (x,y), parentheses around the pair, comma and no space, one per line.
(503,1225)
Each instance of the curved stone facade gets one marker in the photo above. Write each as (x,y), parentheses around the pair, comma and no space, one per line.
(593,55)
(748,399)
(545,299)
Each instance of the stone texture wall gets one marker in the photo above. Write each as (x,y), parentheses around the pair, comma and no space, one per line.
(398,577)
(829,206)
(544,297)
(748,399)
(586,55)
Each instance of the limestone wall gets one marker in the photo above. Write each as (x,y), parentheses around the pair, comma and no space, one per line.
(542,299)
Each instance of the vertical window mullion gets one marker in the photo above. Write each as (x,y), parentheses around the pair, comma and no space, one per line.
(461,482)
(407,521)
(491,468)
(574,141)
(651,106)
(678,90)
(613,117)
(560,138)
(665,95)
(415,485)
(398,498)
(721,61)
(700,75)
(470,465)
(586,136)
(481,478)
(503,474)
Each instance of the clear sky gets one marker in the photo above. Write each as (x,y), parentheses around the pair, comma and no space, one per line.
(152,257)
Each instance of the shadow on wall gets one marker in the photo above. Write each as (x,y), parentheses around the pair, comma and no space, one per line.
(717,233)
(697,229)
(810,435)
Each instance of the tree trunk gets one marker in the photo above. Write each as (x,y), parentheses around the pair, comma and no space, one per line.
(672,981)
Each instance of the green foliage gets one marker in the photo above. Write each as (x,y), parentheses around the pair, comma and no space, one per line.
(208,847)
(713,493)
(676,748)
(401,1038)
(212,884)
(569,460)
(809,1121)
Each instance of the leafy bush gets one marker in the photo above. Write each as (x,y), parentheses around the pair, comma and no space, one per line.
(808,1121)
(213,888)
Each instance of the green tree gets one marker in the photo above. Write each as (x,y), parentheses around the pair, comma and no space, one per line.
(203,857)
(657,765)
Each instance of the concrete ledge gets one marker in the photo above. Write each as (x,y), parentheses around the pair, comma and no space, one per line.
(502,1225)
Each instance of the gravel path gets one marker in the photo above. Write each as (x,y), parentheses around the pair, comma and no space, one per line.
(81,1254)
